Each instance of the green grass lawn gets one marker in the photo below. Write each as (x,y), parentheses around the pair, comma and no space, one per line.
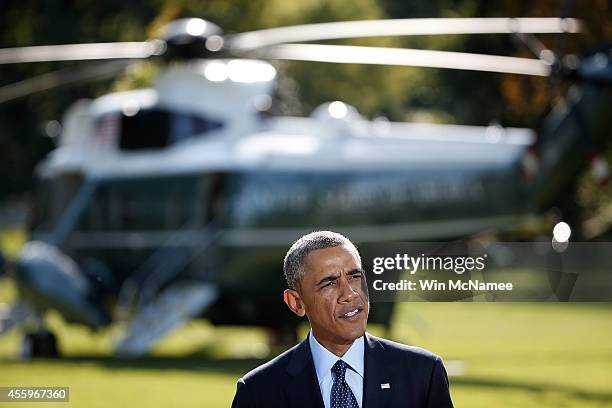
(513,355)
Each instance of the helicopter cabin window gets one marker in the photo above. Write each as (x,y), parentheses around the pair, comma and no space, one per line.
(141,204)
(156,128)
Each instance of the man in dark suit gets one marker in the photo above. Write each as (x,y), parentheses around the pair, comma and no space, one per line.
(339,365)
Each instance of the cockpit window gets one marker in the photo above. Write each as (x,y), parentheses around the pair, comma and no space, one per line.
(156,128)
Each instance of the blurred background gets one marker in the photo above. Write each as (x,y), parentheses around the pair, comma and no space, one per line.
(498,354)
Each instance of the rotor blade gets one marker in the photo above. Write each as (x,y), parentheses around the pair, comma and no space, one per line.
(72,52)
(66,76)
(413,26)
(406,57)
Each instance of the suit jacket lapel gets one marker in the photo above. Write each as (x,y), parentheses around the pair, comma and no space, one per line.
(303,388)
(374,396)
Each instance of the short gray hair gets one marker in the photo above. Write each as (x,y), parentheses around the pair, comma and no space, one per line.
(293,265)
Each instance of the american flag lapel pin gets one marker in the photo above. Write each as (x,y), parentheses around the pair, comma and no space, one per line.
(385,386)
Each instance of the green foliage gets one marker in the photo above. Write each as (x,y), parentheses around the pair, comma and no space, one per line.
(24,23)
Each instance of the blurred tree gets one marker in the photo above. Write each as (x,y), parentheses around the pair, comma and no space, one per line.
(512,100)
(29,22)
(477,98)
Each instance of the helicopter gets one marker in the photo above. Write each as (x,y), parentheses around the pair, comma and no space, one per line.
(166,204)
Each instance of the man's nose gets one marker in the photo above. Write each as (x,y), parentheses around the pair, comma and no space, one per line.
(347,292)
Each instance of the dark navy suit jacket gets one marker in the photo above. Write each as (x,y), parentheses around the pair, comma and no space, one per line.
(416,378)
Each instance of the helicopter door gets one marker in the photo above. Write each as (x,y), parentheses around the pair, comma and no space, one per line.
(52,197)
(126,221)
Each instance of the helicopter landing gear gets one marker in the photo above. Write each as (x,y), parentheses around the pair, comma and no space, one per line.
(42,343)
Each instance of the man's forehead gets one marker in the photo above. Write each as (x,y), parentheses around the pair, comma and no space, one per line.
(339,256)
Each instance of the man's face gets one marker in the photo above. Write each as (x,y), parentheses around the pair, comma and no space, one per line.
(333,295)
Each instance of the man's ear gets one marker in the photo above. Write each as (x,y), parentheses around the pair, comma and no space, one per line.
(294,302)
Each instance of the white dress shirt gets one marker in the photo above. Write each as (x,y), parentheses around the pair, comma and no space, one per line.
(325,359)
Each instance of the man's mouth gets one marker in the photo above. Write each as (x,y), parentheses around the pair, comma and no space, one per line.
(352,314)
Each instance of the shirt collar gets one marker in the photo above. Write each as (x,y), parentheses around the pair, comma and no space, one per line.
(325,359)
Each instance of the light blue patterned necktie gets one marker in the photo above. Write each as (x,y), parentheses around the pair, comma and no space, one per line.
(341,394)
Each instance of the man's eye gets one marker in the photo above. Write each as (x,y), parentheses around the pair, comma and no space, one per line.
(356,276)
(329,283)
